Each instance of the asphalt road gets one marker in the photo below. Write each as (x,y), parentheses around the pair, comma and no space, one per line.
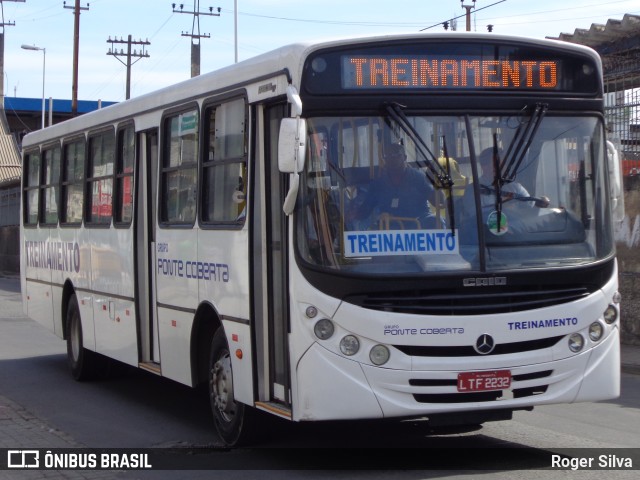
(134,409)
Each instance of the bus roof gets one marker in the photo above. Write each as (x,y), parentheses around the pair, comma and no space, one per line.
(288,59)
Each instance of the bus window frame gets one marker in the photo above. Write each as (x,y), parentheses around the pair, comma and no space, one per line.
(89,180)
(209,105)
(65,183)
(120,175)
(28,188)
(49,147)
(164,159)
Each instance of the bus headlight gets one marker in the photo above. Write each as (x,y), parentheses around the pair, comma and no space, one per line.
(576,342)
(349,345)
(596,330)
(610,314)
(323,329)
(379,355)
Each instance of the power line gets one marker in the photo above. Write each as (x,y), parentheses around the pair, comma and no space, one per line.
(565,9)
(564,19)
(331,22)
(460,16)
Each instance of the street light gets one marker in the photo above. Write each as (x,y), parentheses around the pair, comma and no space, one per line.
(44,60)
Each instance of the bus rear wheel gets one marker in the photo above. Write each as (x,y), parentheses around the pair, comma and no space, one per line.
(83,362)
(234,421)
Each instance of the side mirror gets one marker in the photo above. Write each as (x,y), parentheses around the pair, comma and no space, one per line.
(291,145)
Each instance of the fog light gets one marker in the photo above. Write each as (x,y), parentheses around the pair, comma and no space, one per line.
(349,345)
(379,355)
(596,330)
(311,311)
(617,297)
(610,314)
(323,329)
(576,342)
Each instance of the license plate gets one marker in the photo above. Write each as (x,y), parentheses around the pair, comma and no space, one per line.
(481,381)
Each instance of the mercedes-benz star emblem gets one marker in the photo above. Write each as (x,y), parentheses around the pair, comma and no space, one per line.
(484,344)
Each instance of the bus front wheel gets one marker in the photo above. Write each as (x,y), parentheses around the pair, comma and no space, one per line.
(233,420)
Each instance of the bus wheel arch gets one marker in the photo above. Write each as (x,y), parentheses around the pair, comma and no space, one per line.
(67,291)
(84,364)
(205,324)
(235,422)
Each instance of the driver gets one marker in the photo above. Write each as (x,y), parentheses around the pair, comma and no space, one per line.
(400,192)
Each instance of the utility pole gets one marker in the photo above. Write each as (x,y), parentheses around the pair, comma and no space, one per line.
(2,25)
(76,47)
(138,55)
(195,32)
(468,8)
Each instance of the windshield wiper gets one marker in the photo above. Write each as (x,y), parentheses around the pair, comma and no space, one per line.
(497,180)
(436,174)
(521,143)
(505,170)
(452,218)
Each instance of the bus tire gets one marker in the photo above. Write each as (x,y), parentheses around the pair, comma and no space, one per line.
(233,420)
(83,362)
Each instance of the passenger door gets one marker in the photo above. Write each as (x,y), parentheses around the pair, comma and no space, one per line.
(145,226)
(270,273)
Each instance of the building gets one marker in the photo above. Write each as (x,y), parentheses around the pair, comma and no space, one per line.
(10,171)
(618,43)
(24,115)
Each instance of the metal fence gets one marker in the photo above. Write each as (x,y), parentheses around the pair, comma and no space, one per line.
(622,109)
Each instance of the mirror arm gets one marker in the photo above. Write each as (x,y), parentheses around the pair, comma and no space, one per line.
(294,99)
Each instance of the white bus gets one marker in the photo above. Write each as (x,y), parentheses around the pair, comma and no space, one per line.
(402,227)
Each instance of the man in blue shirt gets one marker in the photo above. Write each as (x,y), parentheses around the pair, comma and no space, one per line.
(400,195)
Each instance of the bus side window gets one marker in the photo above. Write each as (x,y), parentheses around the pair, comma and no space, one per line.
(224,167)
(31,187)
(72,182)
(123,205)
(179,178)
(100,181)
(50,190)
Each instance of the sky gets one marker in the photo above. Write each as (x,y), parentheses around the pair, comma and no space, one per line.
(262,25)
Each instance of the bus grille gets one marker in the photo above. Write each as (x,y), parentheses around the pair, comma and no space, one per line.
(464,302)
(469,351)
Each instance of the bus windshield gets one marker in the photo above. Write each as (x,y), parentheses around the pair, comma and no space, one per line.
(403,193)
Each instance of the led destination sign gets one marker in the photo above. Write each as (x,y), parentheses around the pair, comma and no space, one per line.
(423,67)
(398,72)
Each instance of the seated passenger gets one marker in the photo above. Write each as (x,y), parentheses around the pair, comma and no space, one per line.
(459,180)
